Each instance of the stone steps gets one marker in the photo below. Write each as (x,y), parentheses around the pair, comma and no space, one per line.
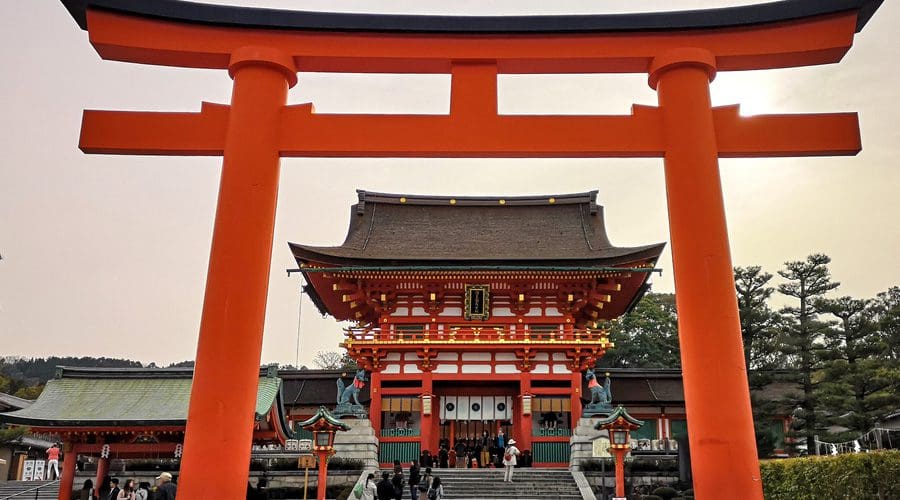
(528,483)
(15,490)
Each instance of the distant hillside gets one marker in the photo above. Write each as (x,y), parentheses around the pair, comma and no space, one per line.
(25,377)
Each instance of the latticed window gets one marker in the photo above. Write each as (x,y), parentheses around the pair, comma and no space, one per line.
(401,416)
(409,332)
(543,332)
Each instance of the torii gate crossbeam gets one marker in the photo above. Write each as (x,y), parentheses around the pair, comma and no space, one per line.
(263,50)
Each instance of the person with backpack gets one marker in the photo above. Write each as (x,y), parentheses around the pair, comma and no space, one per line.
(413,480)
(384,488)
(436,491)
(397,482)
(509,460)
(425,484)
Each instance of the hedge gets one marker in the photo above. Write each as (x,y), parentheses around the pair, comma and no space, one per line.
(862,476)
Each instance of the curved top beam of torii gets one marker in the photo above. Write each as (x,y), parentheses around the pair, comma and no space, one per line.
(247,17)
(175,33)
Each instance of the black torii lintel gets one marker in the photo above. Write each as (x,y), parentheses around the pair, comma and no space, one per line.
(250,17)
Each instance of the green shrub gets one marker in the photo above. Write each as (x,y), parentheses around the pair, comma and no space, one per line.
(858,475)
(651,497)
(688,492)
(339,463)
(596,464)
(665,492)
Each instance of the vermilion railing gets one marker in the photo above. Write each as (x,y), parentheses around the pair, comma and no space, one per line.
(492,334)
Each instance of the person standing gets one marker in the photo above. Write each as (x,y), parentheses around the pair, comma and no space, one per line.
(384,488)
(87,490)
(509,460)
(485,448)
(436,492)
(425,484)
(397,482)
(165,488)
(143,491)
(113,489)
(413,480)
(127,491)
(53,461)
(370,491)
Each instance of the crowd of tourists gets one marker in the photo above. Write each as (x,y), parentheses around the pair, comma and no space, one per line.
(467,452)
(421,485)
(114,489)
(420,482)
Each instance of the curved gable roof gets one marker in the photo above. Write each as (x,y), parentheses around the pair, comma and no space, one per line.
(410,229)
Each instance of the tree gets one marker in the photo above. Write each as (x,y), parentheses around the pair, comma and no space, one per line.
(855,386)
(759,324)
(647,337)
(333,360)
(31,393)
(807,281)
(886,314)
(10,434)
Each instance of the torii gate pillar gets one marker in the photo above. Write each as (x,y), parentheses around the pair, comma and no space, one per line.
(709,329)
(234,310)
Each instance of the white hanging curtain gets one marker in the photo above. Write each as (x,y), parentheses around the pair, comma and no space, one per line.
(448,407)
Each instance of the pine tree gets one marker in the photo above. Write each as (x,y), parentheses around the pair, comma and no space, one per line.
(759,323)
(856,384)
(807,281)
(759,330)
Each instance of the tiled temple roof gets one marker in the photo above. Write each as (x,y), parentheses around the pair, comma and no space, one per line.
(122,396)
(548,230)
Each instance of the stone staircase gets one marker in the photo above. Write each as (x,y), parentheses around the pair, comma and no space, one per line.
(528,483)
(29,490)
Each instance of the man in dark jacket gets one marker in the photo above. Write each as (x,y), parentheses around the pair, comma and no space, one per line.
(384,488)
(413,479)
(165,489)
(114,489)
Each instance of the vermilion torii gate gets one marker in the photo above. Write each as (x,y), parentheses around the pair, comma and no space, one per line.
(263,50)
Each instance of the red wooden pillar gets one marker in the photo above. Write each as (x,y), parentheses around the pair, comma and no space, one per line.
(375,403)
(524,428)
(322,480)
(575,400)
(224,392)
(67,480)
(426,427)
(717,397)
(620,473)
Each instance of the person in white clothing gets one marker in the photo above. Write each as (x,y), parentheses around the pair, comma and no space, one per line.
(509,460)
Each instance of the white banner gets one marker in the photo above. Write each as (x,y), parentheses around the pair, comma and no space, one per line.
(504,408)
(39,470)
(489,408)
(476,408)
(28,471)
(448,407)
(462,408)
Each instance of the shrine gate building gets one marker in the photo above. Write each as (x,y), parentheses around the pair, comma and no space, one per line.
(475,314)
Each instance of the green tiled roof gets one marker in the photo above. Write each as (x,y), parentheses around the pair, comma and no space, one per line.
(111,398)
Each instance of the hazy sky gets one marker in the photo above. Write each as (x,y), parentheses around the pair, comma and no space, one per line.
(107,255)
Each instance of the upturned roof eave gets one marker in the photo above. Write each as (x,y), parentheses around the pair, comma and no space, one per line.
(329,256)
